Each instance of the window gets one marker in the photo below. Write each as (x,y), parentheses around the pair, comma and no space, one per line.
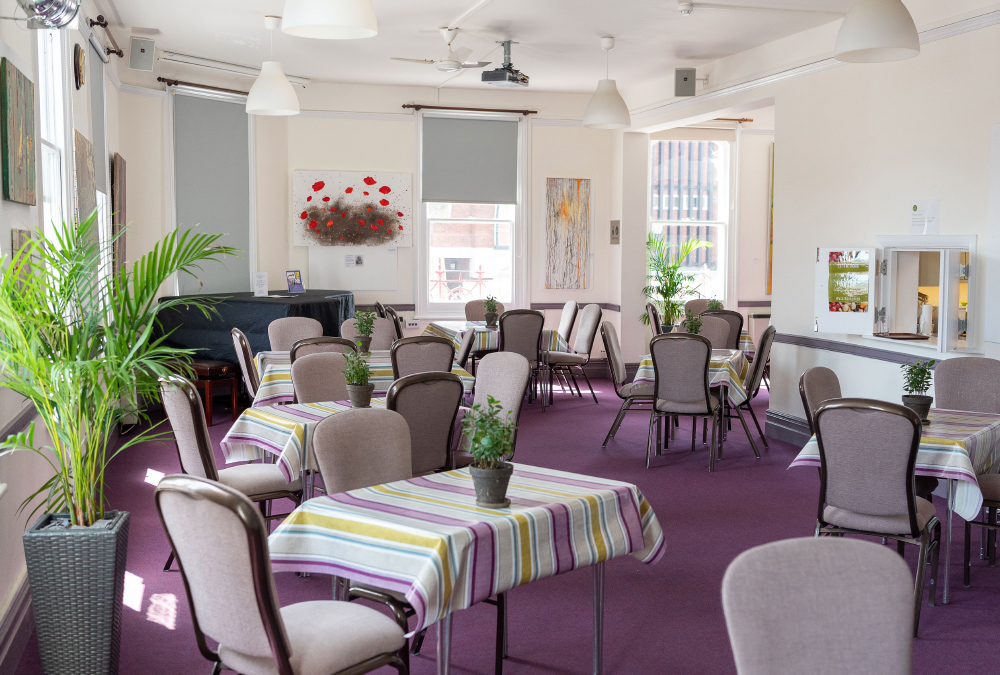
(470,252)
(52,107)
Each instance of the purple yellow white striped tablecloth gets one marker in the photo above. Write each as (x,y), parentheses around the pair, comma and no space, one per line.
(727,368)
(275,370)
(282,430)
(956,445)
(426,538)
(488,339)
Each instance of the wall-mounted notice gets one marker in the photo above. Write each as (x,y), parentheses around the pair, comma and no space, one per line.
(848,281)
(616,232)
(354,260)
(845,285)
(260,284)
(924,216)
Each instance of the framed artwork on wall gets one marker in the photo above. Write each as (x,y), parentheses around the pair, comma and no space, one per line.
(118,219)
(86,177)
(567,233)
(17,135)
(769,280)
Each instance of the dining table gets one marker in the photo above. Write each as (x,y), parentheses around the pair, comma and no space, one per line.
(275,371)
(488,339)
(426,538)
(955,447)
(727,368)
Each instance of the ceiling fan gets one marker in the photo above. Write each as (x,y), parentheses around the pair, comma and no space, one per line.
(453,60)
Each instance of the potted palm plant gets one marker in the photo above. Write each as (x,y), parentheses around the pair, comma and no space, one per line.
(77,339)
(357,372)
(490,307)
(692,323)
(489,435)
(364,323)
(916,381)
(668,285)
(715,303)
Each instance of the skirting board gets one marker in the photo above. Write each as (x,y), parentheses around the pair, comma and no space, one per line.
(788,428)
(15,629)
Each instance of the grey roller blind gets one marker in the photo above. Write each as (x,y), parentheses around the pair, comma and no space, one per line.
(212,178)
(469,160)
(97,117)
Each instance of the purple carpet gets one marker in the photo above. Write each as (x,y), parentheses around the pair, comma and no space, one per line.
(663,618)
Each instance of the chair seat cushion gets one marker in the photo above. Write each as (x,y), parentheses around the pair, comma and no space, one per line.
(989,483)
(566,358)
(325,637)
(637,389)
(685,407)
(880,524)
(257,479)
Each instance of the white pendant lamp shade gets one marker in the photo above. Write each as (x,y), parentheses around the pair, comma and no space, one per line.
(876,31)
(607,109)
(330,19)
(271,93)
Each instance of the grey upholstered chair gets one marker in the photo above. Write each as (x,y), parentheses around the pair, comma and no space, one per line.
(967,383)
(397,323)
(422,354)
(867,452)
(429,403)
(244,355)
(716,331)
(567,319)
(521,333)
(379,309)
(505,377)
(465,349)
(753,381)
(735,321)
(260,482)
(632,393)
(564,362)
(696,306)
(833,606)
(362,447)
(654,318)
(816,386)
(321,345)
(475,310)
(221,545)
(383,334)
(319,378)
(283,333)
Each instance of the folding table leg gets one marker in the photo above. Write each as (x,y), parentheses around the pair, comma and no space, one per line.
(599,618)
(947,540)
(444,645)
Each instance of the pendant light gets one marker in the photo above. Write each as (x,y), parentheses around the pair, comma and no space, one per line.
(876,31)
(330,19)
(272,93)
(607,109)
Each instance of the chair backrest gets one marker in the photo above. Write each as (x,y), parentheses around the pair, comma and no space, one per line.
(716,330)
(590,322)
(735,321)
(654,318)
(475,310)
(696,306)
(759,364)
(504,376)
(465,348)
(379,309)
(567,319)
(397,323)
(283,333)
(521,332)
(220,541)
(967,383)
(613,348)
(422,354)
(819,605)
(868,450)
(182,404)
(362,447)
(319,378)
(680,364)
(816,386)
(321,345)
(429,403)
(383,334)
(245,357)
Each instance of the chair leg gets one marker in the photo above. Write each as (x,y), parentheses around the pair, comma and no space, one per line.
(578,392)
(722,434)
(615,425)
(589,385)
(901,548)
(967,562)
(918,591)
(501,649)
(170,561)
(208,401)
(694,432)
(935,557)
(760,432)
(711,449)
(234,399)
(746,430)
(649,437)
(704,430)
(217,668)
(991,540)
(418,641)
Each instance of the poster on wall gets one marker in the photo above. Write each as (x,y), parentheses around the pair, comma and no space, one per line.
(848,282)
(352,208)
(17,134)
(86,177)
(567,233)
(770,225)
(845,285)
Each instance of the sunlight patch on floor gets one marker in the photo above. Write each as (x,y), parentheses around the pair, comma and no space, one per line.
(163,610)
(153,477)
(133,592)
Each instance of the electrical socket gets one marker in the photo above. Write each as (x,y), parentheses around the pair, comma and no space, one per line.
(412,323)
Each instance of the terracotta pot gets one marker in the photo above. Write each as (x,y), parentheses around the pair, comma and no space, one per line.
(491,319)
(360,395)
(365,341)
(920,405)
(491,485)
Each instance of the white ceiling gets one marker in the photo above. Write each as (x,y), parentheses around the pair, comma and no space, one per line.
(559,48)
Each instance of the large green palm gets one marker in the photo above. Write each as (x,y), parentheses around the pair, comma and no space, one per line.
(668,285)
(78,340)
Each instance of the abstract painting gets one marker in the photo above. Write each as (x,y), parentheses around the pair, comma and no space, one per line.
(17,117)
(86,177)
(768,283)
(18,239)
(351,208)
(118,211)
(567,232)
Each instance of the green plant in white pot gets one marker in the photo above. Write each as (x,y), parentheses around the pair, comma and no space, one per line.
(668,285)
(489,437)
(357,372)
(77,340)
(916,381)
(364,323)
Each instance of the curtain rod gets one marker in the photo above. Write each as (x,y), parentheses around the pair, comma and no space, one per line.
(181,83)
(740,120)
(417,106)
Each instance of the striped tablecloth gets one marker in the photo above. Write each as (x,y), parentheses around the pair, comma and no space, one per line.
(276,376)
(282,430)
(955,445)
(728,368)
(426,538)
(746,344)
(488,339)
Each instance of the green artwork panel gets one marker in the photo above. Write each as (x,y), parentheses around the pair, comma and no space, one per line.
(17,117)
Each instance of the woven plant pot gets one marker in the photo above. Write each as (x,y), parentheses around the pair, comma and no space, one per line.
(76,578)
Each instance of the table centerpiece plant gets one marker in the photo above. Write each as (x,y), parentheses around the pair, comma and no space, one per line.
(357,372)
(692,323)
(668,285)
(917,379)
(490,307)
(78,340)
(364,323)
(489,436)
(715,303)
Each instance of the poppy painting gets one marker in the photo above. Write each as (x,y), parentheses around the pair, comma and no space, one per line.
(17,118)
(351,208)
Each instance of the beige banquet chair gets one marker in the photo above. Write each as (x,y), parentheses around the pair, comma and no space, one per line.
(283,333)
(735,321)
(505,377)
(422,354)
(653,315)
(319,378)
(715,330)
(379,309)
(429,403)
(475,310)
(321,345)
(247,365)
(567,319)
(220,542)
(465,348)
(565,362)
(816,386)
(397,323)
(830,605)
(696,306)
(632,393)
(383,334)
(521,333)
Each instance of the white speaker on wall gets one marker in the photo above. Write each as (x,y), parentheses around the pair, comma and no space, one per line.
(140,54)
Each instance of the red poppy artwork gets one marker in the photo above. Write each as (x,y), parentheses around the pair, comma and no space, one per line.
(375,208)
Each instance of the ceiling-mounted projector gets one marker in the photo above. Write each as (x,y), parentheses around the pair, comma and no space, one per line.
(506,75)
(49,14)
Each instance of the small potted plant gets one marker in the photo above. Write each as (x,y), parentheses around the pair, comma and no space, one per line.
(364,323)
(916,382)
(357,372)
(489,435)
(490,305)
(715,303)
(692,324)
